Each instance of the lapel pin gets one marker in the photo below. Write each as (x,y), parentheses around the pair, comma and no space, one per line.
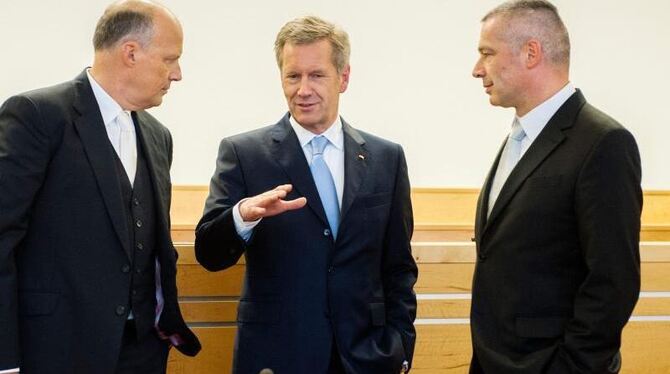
(361,157)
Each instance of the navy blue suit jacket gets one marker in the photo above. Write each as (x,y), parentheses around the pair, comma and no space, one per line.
(302,290)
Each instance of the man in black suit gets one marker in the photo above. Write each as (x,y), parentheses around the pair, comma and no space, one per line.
(87,266)
(328,286)
(558,219)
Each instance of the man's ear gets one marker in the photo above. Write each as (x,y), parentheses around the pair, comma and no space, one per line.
(129,50)
(534,53)
(344,78)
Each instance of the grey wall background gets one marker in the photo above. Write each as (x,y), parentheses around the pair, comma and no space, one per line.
(411,83)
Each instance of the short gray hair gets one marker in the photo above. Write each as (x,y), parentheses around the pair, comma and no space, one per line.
(310,29)
(535,19)
(123,23)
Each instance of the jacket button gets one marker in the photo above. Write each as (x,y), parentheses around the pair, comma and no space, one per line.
(140,246)
(481,257)
(120,310)
(326,232)
(138,223)
(125,268)
(136,202)
(331,270)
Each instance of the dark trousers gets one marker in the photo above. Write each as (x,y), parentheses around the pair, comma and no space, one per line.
(147,355)
(335,366)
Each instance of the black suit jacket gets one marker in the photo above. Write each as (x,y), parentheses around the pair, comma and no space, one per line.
(63,238)
(558,268)
(302,290)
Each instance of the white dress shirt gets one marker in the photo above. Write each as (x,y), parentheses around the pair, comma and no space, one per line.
(110,111)
(534,121)
(532,124)
(333,155)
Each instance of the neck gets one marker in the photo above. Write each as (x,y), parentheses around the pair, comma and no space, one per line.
(543,87)
(111,80)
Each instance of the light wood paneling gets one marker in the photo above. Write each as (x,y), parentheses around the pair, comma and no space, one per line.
(440,349)
(440,214)
(225,311)
(194,280)
(445,278)
(209,310)
(445,254)
(216,356)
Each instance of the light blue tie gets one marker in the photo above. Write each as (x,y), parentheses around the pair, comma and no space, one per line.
(508,160)
(325,183)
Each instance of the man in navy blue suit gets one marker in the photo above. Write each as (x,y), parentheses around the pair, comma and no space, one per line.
(322,213)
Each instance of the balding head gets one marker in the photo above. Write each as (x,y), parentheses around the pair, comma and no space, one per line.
(137,49)
(128,20)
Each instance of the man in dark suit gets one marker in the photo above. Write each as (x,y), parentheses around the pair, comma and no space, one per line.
(328,286)
(558,219)
(87,266)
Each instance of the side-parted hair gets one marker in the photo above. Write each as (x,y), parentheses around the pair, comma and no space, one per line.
(121,24)
(534,19)
(310,29)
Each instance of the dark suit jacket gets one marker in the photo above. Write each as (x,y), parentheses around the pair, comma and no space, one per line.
(558,268)
(63,238)
(303,291)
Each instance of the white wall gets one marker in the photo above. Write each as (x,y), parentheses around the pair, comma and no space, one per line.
(411,64)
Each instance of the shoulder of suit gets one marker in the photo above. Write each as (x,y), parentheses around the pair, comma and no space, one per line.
(374,141)
(56,96)
(45,109)
(594,119)
(252,137)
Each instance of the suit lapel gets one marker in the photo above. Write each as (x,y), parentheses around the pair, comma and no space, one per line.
(159,177)
(91,130)
(483,200)
(356,159)
(548,139)
(286,150)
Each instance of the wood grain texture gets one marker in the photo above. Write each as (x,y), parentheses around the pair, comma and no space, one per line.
(439,349)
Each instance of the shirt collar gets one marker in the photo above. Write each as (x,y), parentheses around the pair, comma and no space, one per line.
(535,120)
(109,108)
(333,134)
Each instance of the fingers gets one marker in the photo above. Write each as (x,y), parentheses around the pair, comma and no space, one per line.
(294,204)
(284,187)
(269,203)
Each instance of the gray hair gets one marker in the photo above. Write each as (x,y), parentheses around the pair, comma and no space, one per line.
(121,23)
(310,29)
(535,19)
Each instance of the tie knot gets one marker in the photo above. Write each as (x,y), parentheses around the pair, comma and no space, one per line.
(125,121)
(517,131)
(319,143)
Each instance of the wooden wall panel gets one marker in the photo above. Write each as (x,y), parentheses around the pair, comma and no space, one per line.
(439,349)
(439,213)
(445,254)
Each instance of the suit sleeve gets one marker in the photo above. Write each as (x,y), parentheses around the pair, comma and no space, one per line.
(24,157)
(217,244)
(399,269)
(608,204)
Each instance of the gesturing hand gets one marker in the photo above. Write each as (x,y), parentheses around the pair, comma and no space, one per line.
(269,203)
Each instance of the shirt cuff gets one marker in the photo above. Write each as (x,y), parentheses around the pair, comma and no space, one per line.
(244,229)
(8,371)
